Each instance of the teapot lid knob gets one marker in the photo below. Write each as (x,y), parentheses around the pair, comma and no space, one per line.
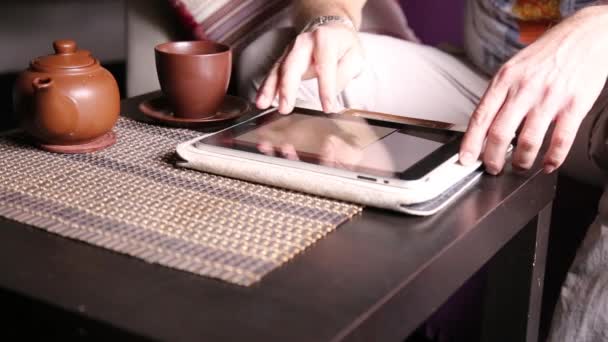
(64,46)
(66,56)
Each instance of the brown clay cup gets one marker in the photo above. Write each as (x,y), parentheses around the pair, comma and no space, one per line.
(194,76)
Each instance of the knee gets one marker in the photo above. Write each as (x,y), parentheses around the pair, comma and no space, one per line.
(254,61)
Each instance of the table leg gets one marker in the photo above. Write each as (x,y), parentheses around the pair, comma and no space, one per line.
(514,284)
(543,223)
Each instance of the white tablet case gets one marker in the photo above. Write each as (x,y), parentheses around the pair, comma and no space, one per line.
(422,201)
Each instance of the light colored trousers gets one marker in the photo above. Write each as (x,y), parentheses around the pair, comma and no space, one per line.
(414,80)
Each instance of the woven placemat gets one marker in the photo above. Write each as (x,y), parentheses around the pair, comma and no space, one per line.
(130,198)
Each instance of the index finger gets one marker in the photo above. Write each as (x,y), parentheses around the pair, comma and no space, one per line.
(480,122)
(294,66)
(326,64)
(268,90)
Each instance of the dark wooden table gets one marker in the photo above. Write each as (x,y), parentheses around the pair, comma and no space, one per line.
(376,278)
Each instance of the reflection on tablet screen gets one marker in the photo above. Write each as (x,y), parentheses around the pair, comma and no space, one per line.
(340,141)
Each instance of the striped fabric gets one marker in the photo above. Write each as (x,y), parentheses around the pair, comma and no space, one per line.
(233,22)
(239,22)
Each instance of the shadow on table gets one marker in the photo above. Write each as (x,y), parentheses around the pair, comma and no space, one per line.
(24,319)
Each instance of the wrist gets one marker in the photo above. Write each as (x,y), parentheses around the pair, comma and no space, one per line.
(323,20)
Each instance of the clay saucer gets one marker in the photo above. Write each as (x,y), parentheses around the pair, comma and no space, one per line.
(100,143)
(159,110)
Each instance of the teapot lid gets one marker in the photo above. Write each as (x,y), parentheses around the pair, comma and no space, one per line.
(66,56)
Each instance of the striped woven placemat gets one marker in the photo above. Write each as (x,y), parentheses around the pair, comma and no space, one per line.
(130,198)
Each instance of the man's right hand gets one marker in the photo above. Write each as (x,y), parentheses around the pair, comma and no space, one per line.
(332,53)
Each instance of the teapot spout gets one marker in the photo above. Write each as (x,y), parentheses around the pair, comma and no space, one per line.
(55,114)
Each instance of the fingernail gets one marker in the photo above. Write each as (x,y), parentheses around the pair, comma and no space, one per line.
(262,98)
(492,169)
(284,106)
(549,168)
(520,166)
(466,158)
(261,101)
(328,105)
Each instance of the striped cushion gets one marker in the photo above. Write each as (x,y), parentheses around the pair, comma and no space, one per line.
(232,22)
(239,22)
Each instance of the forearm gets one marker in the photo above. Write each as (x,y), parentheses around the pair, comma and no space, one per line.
(306,10)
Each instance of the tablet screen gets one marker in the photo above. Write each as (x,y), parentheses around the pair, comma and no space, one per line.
(347,142)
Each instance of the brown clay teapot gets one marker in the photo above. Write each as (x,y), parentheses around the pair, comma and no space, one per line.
(66,101)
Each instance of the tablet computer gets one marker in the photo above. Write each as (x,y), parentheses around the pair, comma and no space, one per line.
(376,159)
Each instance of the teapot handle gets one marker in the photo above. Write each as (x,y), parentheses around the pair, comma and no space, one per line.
(54,113)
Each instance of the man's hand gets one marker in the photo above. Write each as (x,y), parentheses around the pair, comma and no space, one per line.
(556,79)
(332,53)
